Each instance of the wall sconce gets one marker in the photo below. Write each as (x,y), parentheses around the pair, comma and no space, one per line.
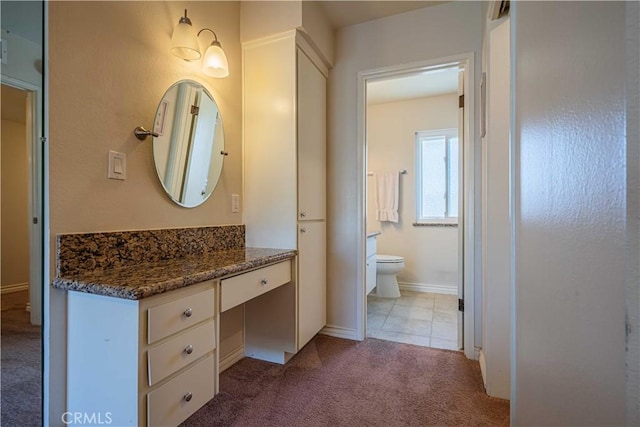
(184,44)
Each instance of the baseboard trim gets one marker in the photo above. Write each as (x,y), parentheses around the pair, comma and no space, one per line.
(483,370)
(338,332)
(17,287)
(429,287)
(231,359)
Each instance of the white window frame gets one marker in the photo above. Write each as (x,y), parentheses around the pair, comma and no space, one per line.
(419,137)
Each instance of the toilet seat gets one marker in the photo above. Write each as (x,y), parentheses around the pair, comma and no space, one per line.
(389,259)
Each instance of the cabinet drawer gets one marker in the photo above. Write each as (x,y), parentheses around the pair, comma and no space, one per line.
(239,289)
(178,352)
(175,401)
(174,316)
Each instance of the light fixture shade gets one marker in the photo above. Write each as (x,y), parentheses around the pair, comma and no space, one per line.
(215,62)
(184,42)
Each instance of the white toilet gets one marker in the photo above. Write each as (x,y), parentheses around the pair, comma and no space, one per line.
(387,266)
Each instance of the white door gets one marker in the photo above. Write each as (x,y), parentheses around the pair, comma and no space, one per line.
(199,157)
(312,282)
(312,110)
(461,144)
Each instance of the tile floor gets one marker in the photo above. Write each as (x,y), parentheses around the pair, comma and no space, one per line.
(425,319)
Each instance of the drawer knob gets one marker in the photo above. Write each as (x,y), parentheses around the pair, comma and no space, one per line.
(263,282)
(303,214)
(188,312)
(303,230)
(188,349)
(187,397)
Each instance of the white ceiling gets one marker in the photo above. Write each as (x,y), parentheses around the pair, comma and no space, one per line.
(345,13)
(429,83)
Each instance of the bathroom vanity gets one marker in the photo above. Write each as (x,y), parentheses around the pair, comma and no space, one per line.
(143,337)
(371,250)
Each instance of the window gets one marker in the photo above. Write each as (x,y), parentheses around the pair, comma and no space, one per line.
(437,155)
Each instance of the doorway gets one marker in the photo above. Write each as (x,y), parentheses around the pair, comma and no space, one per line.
(431,237)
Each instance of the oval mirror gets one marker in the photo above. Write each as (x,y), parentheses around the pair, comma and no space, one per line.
(189,148)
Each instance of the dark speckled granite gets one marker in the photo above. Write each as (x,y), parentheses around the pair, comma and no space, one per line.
(147,279)
(78,253)
(139,264)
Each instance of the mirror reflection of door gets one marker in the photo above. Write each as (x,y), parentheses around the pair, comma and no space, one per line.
(20,213)
(196,176)
(189,149)
(181,130)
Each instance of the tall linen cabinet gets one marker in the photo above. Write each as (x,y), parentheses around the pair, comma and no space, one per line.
(284,105)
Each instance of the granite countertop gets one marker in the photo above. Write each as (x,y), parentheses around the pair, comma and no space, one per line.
(147,279)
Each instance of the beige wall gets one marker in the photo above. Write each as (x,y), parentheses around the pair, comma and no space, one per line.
(430,253)
(109,67)
(15,204)
(400,39)
(264,18)
(316,24)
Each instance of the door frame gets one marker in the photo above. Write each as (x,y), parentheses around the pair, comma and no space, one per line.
(34,131)
(466,221)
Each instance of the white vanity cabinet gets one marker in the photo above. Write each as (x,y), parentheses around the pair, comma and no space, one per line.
(370,278)
(142,362)
(285,162)
(155,361)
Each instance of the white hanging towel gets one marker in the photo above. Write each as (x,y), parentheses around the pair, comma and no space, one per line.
(387,196)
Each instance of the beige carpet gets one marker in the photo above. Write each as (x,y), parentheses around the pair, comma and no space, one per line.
(335,382)
(20,368)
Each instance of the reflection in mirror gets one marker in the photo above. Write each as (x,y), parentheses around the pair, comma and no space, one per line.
(188,149)
(21,247)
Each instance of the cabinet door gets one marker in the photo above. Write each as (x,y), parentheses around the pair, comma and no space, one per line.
(371,273)
(312,283)
(312,118)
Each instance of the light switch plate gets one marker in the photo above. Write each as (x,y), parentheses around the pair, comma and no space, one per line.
(117,165)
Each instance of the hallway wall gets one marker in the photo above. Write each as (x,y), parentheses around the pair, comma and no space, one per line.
(569,213)
(401,39)
(632,87)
